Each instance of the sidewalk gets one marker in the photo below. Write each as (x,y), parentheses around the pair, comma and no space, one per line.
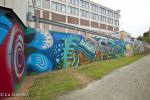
(131,82)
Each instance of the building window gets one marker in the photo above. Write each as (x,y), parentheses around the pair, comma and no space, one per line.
(76,11)
(74,2)
(73,10)
(110,20)
(116,15)
(54,5)
(84,4)
(94,7)
(103,11)
(116,23)
(94,16)
(102,18)
(37,3)
(58,7)
(63,0)
(110,13)
(69,10)
(46,4)
(63,8)
(84,13)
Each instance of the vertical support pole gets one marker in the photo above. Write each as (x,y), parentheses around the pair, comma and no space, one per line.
(149,36)
(4,2)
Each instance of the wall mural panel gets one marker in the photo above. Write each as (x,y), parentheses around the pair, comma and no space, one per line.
(12,63)
(47,50)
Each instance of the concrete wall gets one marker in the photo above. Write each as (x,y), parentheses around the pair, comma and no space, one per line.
(19,6)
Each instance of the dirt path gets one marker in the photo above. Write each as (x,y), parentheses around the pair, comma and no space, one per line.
(131,82)
(83,79)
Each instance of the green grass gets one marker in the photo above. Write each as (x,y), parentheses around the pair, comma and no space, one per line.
(51,85)
(59,82)
(32,73)
(99,69)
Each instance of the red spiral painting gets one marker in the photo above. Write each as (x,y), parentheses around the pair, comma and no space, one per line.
(11,60)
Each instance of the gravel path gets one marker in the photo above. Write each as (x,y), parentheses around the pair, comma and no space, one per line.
(131,82)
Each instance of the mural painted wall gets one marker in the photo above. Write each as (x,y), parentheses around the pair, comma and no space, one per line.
(49,50)
(12,63)
(33,50)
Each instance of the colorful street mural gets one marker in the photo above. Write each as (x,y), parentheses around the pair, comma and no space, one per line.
(50,50)
(12,60)
(34,50)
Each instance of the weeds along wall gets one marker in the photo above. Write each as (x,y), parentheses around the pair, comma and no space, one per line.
(23,50)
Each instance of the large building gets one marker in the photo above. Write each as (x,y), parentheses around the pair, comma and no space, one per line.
(80,13)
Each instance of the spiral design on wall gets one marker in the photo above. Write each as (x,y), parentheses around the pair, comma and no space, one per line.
(18,56)
(38,63)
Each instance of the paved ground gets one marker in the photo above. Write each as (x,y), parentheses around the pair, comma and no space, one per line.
(131,82)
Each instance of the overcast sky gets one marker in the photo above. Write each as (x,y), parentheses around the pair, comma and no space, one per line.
(135,14)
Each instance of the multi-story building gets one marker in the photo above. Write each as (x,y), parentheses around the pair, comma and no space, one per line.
(80,13)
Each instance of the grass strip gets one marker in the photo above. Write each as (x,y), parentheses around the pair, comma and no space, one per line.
(59,82)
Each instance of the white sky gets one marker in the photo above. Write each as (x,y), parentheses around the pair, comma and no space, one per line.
(135,14)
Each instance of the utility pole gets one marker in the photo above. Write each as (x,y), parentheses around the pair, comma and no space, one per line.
(4,2)
(76,25)
(149,36)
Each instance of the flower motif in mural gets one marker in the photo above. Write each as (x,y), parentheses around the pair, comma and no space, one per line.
(43,40)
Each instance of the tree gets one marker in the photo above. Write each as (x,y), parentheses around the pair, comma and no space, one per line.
(145,37)
(140,38)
